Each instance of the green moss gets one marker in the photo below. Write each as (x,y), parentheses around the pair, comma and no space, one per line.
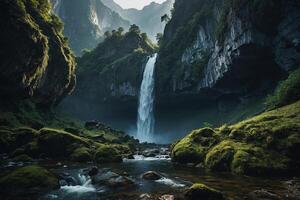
(23,158)
(201,191)
(81,154)
(194,147)
(267,143)
(107,153)
(7,141)
(28,180)
(57,144)
(219,157)
(287,91)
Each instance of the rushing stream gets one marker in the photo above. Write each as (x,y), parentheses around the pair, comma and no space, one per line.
(175,180)
(145,121)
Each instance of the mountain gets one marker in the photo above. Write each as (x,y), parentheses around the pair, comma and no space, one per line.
(148,19)
(33,53)
(109,77)
(86,21)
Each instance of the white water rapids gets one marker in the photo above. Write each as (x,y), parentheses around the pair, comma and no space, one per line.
(145,121)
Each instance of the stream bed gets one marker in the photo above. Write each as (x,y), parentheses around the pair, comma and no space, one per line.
(175,180)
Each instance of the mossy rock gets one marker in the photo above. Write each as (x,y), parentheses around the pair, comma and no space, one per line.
(22,158)
(7,141)
(193,148)
(256,161)
(107,153)
(268,143)
(219,157)
(201,191)
(81,154)
(59,144)
(27,181)
(242,158)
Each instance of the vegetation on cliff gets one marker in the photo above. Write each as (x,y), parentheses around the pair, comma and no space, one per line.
(33,52)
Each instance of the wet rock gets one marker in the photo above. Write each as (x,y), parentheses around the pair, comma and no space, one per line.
(263,194)
(190,164)
(200,166)
(293,189)
(112,179)
(130,156)
(67,179)
(151,175)
(201,191)
(151,152)
(167,197)
(93,171)
(145,197)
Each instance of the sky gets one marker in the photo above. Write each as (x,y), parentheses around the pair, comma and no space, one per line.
(139,4)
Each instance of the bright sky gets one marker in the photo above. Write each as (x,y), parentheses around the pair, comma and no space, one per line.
(139,4)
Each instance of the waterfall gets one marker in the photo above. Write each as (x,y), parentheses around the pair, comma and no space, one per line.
(145,121)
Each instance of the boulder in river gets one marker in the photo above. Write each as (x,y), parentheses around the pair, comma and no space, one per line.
(93,171)
(151,175)
(167,197)
(201,191)
(111,179)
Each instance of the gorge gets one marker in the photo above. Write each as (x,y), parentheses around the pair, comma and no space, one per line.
(92,107)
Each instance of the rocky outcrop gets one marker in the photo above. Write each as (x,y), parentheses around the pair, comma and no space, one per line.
(233,47)
(86,21)
(109,77)
(36,61)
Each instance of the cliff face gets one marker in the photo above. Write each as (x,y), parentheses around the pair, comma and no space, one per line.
(86,21)
(109,77)
(230,47)
(149,18)
(35,59)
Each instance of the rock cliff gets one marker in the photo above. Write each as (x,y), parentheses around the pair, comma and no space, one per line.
(36,61)
(230,47)
(109,77)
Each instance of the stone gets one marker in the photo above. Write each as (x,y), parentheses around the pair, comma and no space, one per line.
(151,175)
(93,171)
(167,197)
(263,194)
(201,191)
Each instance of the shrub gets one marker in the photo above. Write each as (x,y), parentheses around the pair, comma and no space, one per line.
(287,91)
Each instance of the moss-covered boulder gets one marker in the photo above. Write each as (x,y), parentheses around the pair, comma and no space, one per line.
(107,153)
(55,143)
(193,148)
(81,154)
(27,182)
(201,191)
(266,144)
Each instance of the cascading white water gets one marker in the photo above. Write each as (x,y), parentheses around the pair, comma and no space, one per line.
(145,121)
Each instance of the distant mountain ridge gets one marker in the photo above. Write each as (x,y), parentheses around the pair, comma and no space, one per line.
(148,19)
(86,21)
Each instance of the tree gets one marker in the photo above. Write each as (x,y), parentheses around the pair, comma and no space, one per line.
(134,28)
(165,18)
(107,34)
(144,36)
(120,30)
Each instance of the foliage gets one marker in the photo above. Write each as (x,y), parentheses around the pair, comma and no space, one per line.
(287,91)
